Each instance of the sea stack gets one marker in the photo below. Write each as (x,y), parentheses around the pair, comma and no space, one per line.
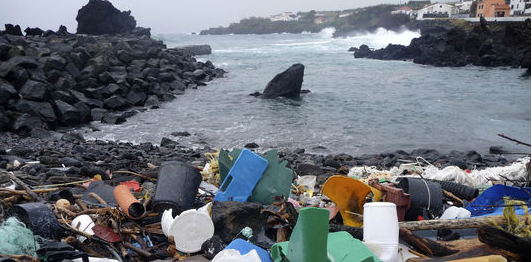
(100,17)
(286,84)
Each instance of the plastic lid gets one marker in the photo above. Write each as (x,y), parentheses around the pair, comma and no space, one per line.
(190,230)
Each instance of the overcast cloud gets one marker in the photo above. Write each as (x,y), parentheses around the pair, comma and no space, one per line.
(166,16)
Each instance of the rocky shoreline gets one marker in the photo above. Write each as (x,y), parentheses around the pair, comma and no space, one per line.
(66,157)
(484,44)
(66,79)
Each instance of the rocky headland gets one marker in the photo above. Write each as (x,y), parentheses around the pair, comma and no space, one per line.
(490,45)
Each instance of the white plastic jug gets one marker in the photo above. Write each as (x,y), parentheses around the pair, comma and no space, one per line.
(382,227)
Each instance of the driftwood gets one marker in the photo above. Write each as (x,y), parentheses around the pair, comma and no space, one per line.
(469,248)
(424,245)
(515,140)
(454,223)
(497,237)
(24,186)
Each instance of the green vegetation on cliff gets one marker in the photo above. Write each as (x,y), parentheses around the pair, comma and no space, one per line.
(361,19)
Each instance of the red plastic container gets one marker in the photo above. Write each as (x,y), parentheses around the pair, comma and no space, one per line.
(394,195)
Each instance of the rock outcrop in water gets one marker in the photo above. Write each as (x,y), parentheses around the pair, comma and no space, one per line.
(286,84)
(100,17)
(491,46)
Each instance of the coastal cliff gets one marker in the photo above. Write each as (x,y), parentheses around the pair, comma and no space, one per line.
(489,45)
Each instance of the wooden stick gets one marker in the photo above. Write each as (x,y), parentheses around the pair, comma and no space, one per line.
(97,197)
(456,199)
(454,223)
(515,140)
(425,245)
(135,174)
(66,211)
(81,204)
(141,252)
(24,186)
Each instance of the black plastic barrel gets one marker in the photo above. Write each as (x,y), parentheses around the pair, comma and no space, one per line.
(177,186)
(423,193)
(39,218)
(462,191)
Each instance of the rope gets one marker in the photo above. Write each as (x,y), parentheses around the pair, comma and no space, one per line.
(428,191)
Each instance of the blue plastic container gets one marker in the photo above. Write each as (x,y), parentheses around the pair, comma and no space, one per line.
(245,247)
(242,178)
(491,201)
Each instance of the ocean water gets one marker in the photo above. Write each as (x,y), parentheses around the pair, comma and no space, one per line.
(356,106)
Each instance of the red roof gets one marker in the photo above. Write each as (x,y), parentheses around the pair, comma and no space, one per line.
(406,8)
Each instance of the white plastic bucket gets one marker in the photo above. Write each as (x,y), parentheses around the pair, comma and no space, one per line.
(84,224)
(190,229)
(382,227)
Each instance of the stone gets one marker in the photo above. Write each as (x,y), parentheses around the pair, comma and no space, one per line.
(169,143)
(24,61)
(25,123)
(195,50)
(135,98)
(7,91)
(100,17)
(4,120)
(53,62)
(68,114)
(34,90)
(306,169)
(97,114)
(115,102)
(12,30)
(152,102)
(111,118)
(286,84)
(44,110)
(33,31)
(231,217)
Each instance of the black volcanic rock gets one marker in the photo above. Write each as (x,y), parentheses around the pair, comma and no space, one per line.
(489,45)
(12,30)
(33,31)
(286,84)
(100,17)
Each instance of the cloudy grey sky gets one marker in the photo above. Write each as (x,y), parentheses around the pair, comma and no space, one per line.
(166,16)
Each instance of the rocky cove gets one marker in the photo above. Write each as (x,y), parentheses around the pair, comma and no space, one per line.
(51,80)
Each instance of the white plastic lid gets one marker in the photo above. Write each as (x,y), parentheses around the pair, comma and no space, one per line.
(190,230)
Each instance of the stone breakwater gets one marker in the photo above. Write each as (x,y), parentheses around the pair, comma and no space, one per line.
(66,157)
(489,45)
(66,79)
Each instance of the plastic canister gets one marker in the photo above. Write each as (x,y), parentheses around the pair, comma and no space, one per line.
(382,227)
(84,224)
(190,229)
(177,185)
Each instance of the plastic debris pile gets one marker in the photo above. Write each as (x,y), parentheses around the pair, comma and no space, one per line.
(245,206)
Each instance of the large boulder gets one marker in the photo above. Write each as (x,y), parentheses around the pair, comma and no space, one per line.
(100,17)
(12,30)
(286,84)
